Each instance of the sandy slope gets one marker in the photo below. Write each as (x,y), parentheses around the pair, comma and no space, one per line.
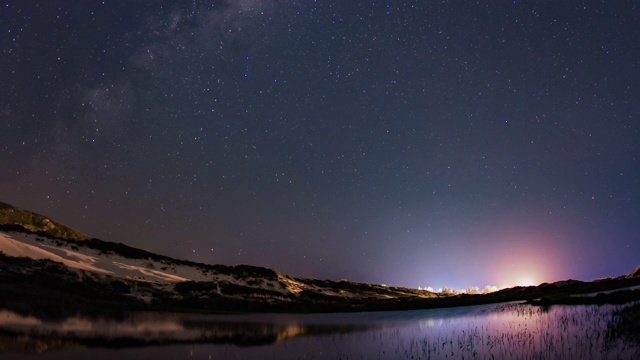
(166,272)
(32,246)
(11,247)
(80,257)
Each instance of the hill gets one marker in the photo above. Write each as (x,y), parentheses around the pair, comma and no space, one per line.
(49,268)
(11,215)
(41,256)
(635,273)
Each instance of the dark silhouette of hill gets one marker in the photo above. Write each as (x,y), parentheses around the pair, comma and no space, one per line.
(30,284)
(11,215)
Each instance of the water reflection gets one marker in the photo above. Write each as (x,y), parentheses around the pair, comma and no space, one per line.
(482,332)
(145,328)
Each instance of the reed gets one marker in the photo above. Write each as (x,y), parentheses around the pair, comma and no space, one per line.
(515,331)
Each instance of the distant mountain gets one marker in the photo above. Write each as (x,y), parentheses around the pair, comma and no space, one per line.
(11,215)
(635,273)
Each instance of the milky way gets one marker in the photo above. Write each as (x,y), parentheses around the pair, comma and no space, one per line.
(408,143)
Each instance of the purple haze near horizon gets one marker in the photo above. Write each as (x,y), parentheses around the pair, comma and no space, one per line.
(408,143)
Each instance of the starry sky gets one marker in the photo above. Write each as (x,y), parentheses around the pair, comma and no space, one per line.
(411,143)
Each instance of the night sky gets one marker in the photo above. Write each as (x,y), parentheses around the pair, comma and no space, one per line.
(412,143)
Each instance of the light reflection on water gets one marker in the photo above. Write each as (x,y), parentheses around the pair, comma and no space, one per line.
(503,331)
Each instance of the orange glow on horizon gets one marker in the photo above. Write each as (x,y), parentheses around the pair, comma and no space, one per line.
(527,272)
(523,281)
(526,257)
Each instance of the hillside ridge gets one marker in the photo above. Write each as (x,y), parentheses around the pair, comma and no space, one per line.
(34,222)
(35,265)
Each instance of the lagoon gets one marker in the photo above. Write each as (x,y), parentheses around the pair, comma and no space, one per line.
(496,331)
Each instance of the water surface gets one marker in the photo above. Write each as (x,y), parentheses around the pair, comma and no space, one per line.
(502,331)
